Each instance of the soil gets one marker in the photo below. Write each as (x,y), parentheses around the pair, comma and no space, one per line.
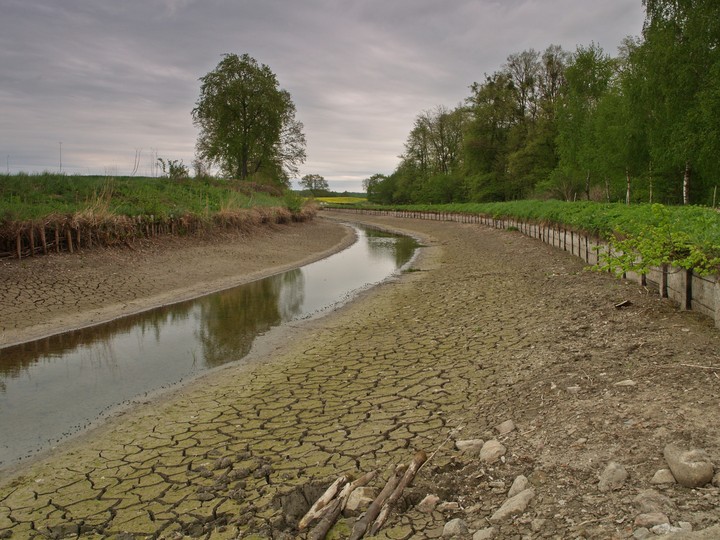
(60,292)
(487,326)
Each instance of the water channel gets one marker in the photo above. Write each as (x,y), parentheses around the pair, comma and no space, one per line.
(54,387)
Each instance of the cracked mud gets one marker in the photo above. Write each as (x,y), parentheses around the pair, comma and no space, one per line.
(491,326)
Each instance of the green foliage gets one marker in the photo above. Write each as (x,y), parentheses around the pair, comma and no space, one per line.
(292,201)
(314,183)
(27,197)
(688,244)
(684,236)
(174,169)
(247,122)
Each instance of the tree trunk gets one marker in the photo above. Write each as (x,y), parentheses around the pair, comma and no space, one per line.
(627,192)
(587,186)
(686,184)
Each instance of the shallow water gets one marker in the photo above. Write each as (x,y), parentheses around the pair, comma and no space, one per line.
(53,387)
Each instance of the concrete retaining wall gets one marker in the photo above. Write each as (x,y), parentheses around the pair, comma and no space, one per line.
(689,291)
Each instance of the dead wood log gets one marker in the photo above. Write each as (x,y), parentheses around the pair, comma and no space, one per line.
(334,509)
(418,460)
(361,525)
(314,512)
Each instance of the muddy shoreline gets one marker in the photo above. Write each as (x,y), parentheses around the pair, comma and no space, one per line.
(489,326)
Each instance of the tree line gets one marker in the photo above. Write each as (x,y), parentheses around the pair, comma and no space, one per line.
(640,126)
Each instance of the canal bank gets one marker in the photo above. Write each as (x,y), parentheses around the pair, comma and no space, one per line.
(489,326)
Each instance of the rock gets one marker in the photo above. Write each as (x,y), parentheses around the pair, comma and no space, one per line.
(663,476)
(652,519)
(711,533)
(613,477)
(491,451)
(506,427)
(626,382)
(488,533)
(428,504)
(513,506)
(573,389)
(448,507)
(642,533)
(685,526)
(691,468)
(651,501)
(716,480)
(521,483)
(665,528)
(455,527)
(471,446)
(537,524)
(360,499)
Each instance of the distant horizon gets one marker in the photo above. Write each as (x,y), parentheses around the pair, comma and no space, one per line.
(99,81)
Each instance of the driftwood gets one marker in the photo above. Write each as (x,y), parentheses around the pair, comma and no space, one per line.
(361,525)
(316,509)
(415,465)
(333,510)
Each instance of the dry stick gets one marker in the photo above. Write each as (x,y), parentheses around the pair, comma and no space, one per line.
(43,239)
(362,524)
(700,367)
(415,465)
(324,499)
(337,506)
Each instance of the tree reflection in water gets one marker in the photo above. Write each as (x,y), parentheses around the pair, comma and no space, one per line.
(229,322)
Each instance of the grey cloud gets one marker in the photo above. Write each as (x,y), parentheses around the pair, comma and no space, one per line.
(109,77)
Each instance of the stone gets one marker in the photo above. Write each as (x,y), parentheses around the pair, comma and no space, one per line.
(470,446)
(506,427)
(650,520)
(428,504)
(537,524)
(685,526)
(716,480)
(455,527)
(711,533)
(573,389)
(491,451)
(360,499)
(613,477)
(642,533)
(513,506)
(448,507)
(665,528)
(663,476)
(626,382)
(488,533)
(520,483)
(691,468)
(651,501)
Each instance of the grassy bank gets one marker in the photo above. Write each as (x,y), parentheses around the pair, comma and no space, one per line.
(54,212)
(644,235)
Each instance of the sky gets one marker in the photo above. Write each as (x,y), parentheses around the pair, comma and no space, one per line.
(107,86)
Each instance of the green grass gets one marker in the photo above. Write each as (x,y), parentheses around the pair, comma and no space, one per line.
(28,197)
(685,236)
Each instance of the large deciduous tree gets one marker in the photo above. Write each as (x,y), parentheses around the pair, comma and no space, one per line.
(314,183)
(247,122)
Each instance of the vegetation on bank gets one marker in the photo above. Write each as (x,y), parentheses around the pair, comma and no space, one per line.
(637,126)
(643,235)
(55,212)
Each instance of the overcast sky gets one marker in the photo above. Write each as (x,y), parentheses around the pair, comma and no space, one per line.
(97,82)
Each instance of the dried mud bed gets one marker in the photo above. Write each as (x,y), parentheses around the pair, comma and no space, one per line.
(489,326)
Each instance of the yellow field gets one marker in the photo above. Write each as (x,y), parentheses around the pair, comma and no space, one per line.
(341,200)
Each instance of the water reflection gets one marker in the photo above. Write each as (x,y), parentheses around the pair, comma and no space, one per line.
(52,387)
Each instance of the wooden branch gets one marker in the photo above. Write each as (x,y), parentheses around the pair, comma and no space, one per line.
(316,509)
(415,465)
(334,509)
(361,525)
